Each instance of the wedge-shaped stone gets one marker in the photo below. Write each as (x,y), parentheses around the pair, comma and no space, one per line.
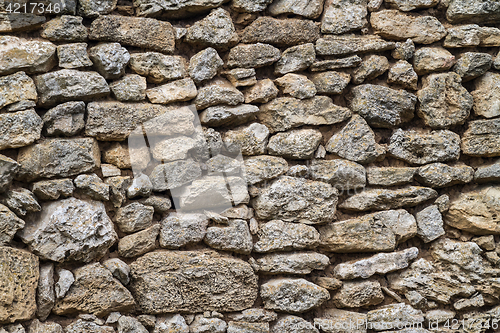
(484,174)
(282,236)
(15,22)
(341,174)
(355,294)
(343,45)
(292,263)
(482,139)
(19,129)
(442,175)
(31,56)
(341,16)
(286,32)
(163,282)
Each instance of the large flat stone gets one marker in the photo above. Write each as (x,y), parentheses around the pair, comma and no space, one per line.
(286,32)
(474,11)
(343,45)
(31,56)
(481,138)
(174,9)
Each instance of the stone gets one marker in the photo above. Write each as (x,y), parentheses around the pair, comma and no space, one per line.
(19,275)
(423,148)
(69,84)
(21,202)
(110,59)
(65,281)
(130,88)
(244,327)
(402,73)
(262,92)
(235,237)
(45,295)
(406,5)
(277,32)
(344,45)
(429,223)
(117,155)
(8,169)
(94,291)
(331,316)
(9,225)
(134,217)
(444,102)
(404,51)
(216,92)
(486,243)
(488,173)
(395,25)
(16,88)
(250,140)
(471,65)
(31,56)
(130,324)
(84,326)
(65,28)
(306,8)
(173,149)
(92,186)
(119,269)
(176,91)
(72,56)
(372,67)
(207,325)
(254,315)
(296,85)
(204,65)
(65,119)
(475,211)
(342,174)
(277,235)
(292,295)
(355,142)
(171,9)
(481,138)
(295,144)
(222,115)
(253,55)
(171,323)
(15,22)
(355,294)
(330,83)
(179,230)
(20,106)
(87,8)
(174,174)
(158,279)
(58,157)
(341,16)
(295,59)
(37,327)
(253,6)
(293,324)
(439,316)
(472,11)
(381,106)
(471,35)
(465,304)
(118,188)
(138,243)
(141,186)
(442,175)
(19,129)
(487,95)
(381,263)
(395,315)
(53,189)
(292,263)
(215,30)
(241,77)
(264,168)
(157,67)
(134,31)
(432,59)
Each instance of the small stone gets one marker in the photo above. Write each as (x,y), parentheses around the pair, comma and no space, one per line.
(295,58)
(174,174)
(395,315)
(65,28)
(262,92)
(292,263)
(217,116)
(134,217)
(118,155)
(19,21)
(207,325)
(417,148)
(174,10)
(8,169)
(261,168)
(223,164)
(254,315)
(109,170)
(252,6)
(344,45)
(244,327)
(161,204)
(129,324)
(216,92)
(481,138)
(241,77)
(32,56)
(295,144)
(178,230)
(343,175)
(296,85)
(287,32)
(53,189)
(488,173)
(443,203)
(134,31)
(45,296)
(130,88)
(37,327)
(16,88)
(281,294)
(355,294)
(9,225)
(487,95)
(472,11)
(177,91)
(331,83)
(406,6)
(20,106)
(173,149)
(471,35)
(65,119)
(250,140)
(171,323)
(253,55)
(471,65)
(157,67)
(21,202)
(374,5)
(390,176)
(282,236)
(204,65)
(148,321)
(355,142)
(464,304)
(429,223)
(404,51)
(372,67)
(119,269)
(216,30)
(65,281)
(141,186)
(298,171)
(235,237)
(333,315)
(110,59)
(83,325)
(487,243)
(92,186)
(19,129)
(393,24)
(306,8)
(87,8)
(442,175)
(324,65)
(402,73)
(432,59)
(138,243)
(117,188)
(343,16)
(293,324)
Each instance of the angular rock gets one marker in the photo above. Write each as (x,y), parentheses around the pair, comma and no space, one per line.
(65,281)
(394,315)
(390,176)
(15,22)
(65,28)
(372,67)
(53,189)
(178,230)
(487,95)
(16,88)
(139,243)
(88,8)
(130,324)
(45,295)
(9,225)
(442,175)
(31,56)
(331,83)
(85,326)
(402,73)
(293,324)
(262,92)
(404,51)
(323,65)
(250,6)
(481,138)
(221,115)
(241,77)
(119,269)
(341,16)
(19,129)
(296,85)
(8,169)
(158,67)
(471,35)
(343,45)
(429,223)
(21,201)
(343,175)
(141,186)
(92,186)
(134,217)
(409,5)
(250,140)
(432,59)
(177,91)
(282,236)
(488,173)
(172,9)
(207,325)
(130,88)
(475,11)
(216,30)
(245,327)
(295,58)
(161,204)
(110,59)
(306,8)
(253,55)
(260,168)
(173,149)
(471,65)
(65,119)
(73,56)
(235,237)
(355,294)
(37,327)
(204,65)
(216,92)
(174,174)
(295,144)
(331,316)
(286,32)
(292,263)
(417,148)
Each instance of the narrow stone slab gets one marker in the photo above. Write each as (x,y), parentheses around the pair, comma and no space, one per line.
(31,56)
(482,138)
(343,45)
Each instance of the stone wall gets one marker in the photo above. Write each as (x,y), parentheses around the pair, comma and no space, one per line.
(249,166)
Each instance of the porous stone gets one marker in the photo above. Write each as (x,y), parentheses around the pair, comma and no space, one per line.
(178,230)
(204,65)
(324,65)
(134,31)
(171,323)
(158,279)
(471,65)
(74,55)
(87,8)
(344,45)
(277,235)
(295,58)
(475,11)
(393,24)
(432,59)
(64,282)
(94,291)
(45,295)
(262,92)
(293,324)
(216,92)
(355,294)
(9,225)
(372,67)
(177,91)
(138,243)
(16,22)
(16,88)
(250,6)
(487,95)
(92,186)
(254,315)
(292,263)
(277,32)
(429,223)
(81,326)
(8,169)
(174,174)
(65,119)
(331,316)
(395,315)
(423,148)
(157,67)
(442,175)
(487,173)
(119,269)
(130,324)
(53,189)
(19,129)
(222,115)
(296,85)
(235,237)
(343,175)
(141,186)
(65,28)
(31,56)
(261,168)
(305,8)
(481,138)
(404,51)
(292,295)
(402,73)
(331,83)
(250,140)
(21,201)
(253,55)
(341,16)
(245,327)
(172,9)
(471,35)
(161,204)
(355,142)
(207,325)
(58,157)
(295,144)
(409,5)
(118,188)
(110,59)
(216,30)
(130,88)
(109,170)
(37,327)
(134,217)
(241,77)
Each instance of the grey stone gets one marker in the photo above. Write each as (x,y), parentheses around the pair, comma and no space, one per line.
(32,56)
(64,282)
(296,85)
(409,5)
(222,115)
(372,67)
(252,6)
(488,173)
(487,95)
(264,168)
(138,243)
(262,92)
(128,324)
(176,91)
(222,164)
(207,325)
(216,30)
(20,106)
(134,217)
(110,59)
(471,35)
(141,186)
(92,186)
(157,67)
(343,175)
(250,140)
(179,230)
(254,315)
(16,22)
(355,142)
(423,148)
(172,149)
(65,28)
(432,59)
(344,45)
(19,129)
(9,225)
(244,327)
(390,176)
(235,237)
(295,144)
(341,16)
(402,73)
(8,169)
(45,295)
(305,8)
(442,175)
(323,65)
(16,88)
(330,316)
(292,263)
(171,323)
(404,51)
(293,324)
(174,174)
(253,55)
(471,65)
(204,65)
(119,269)
(475,11)
(285,32)
(161,204)
(295,58)
(481,138)
(65,119)
(37,327)
(331,83)
(117,188)
(277,235)
(87,8)
(84,326)
(476,301)
(216,92)
(241,77)
(130,88)
(429,223)
(395,315)
(355,294)
(172,9)
(53,189)
(21,202)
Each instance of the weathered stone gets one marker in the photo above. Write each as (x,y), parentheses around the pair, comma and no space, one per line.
(463,255)
(134,217)
(19,278)
(92,186)
(74,55)
(404,51)
(429,223)
(295,58)
(173,149)
(282,236)
(216,30)
(471,65)
(475,211)
(118,188)
(250,140)
(53,189)
(245,327)
(216,92)
(235,237)
(94,291)
(109,170)
(442,175)
(343,45)
(466,304)
(171,323)
(355,294)
(65,28)
(21,201)
(174,174)
(372,67)
(20,106)
(207,325)
(241,77)
(331,316)
(432,59)
(110,59)
(130,324)
(293,324)
(392,24)
(139,243)
(19,129)
(9,225)
(481,138)
(305,8)
(31,56)
(260,168)
(292,295)
(254,315)
(253,55)
(471,35)
(324,65)
(178,230)
(134,31)
(86,326)
(355,142)
(402,73)
(381,263)
(295,144)
(222,115)
(16,88)
(47,327)
(8,169)
(65,119)
(395,315)
(292,263)
(15,22)
(281,32)
(381,106)
(160,278)
(417,148)
(488,173)
(408,5)
(88,8)
(476,11)
(177,91)
(343,175)
(343,16)
(262,92)
(158,67)
(487,95)
(65,281)
(172,9)
(45,296)
(252,6)
(141,186)
(119,269)
(296,85)
(330,82)
(130,88)
(204,65)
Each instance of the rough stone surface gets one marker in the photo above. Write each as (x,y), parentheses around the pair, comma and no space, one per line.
(15,88)
(157,67)
(65,28)
(487,95)
(472,11)
(235,237)
(53,189)
(253,55)
(109,59)
(354,294)
(296,58)
(305,8)
(222,115)
(342,45)
(408,5)
(481,138)
(341,174)
(177,91)
(442,175)
(341,16)
(432,59)
(402,73)
(73,56)
(331,83)
(204,65)
(283,236)
(216,92)
(19,129)
(296,85)
(216,30)
(280,32)
(472,65)
(139,243)
(88,8)
(429,223)
(65,119)
(9,226)
(371,68)
(250,140)
(295,144)
(292,263)
(31,56)
(172,9)
(390,176)
(182,229)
